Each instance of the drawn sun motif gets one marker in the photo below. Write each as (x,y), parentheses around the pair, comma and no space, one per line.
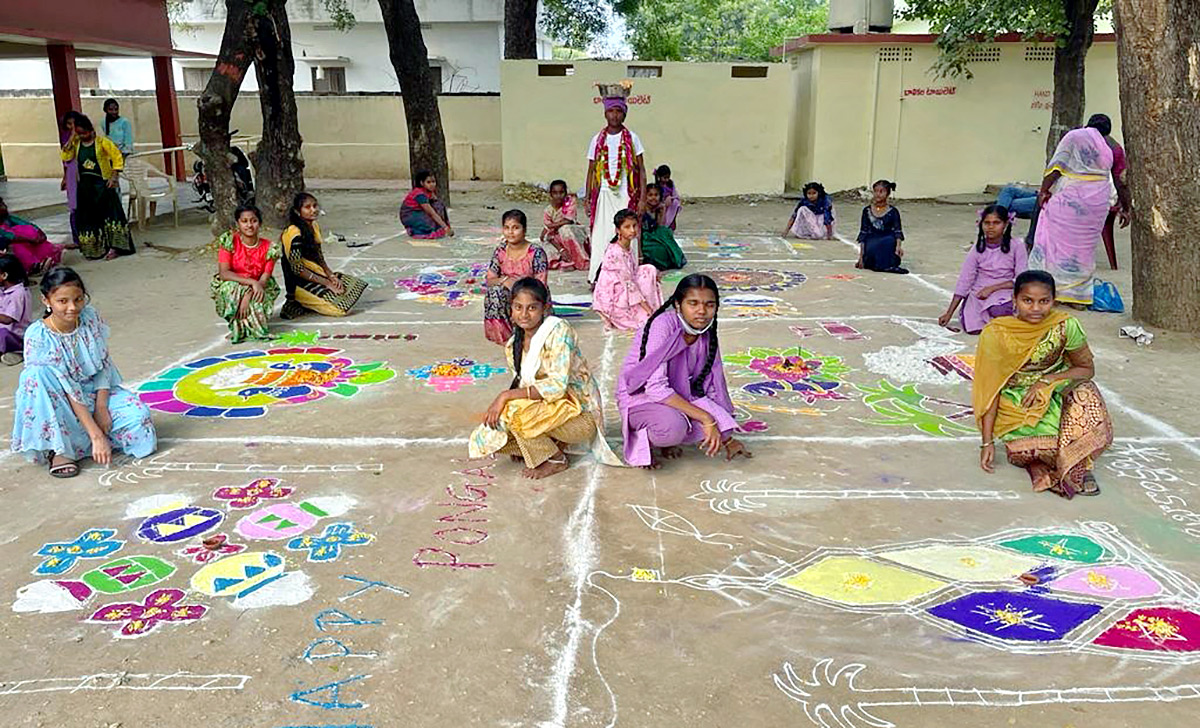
(856,581)
(1059,548)
(1101,582)
(1010,616)
(1155,629)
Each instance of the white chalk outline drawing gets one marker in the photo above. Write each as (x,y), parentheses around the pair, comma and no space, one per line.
(726,496)
(125,681)
(1177,590)
(665,521)
(824,707)
(154,468)
(908,364)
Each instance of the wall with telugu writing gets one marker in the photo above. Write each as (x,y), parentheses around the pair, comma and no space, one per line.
(893,119)
(721,135)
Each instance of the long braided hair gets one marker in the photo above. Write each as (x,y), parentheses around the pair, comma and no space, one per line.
(690,282)
(541,293)
(1001,212)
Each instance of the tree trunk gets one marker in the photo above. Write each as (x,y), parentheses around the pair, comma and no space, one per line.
(1069,66)
(215,106)
(278,162)
(520,28)
(1158,66)
(410,59)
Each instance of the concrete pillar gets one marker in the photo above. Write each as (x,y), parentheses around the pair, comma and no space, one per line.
(168,116)
(64,78)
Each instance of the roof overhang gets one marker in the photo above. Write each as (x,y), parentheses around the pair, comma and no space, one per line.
(14,45)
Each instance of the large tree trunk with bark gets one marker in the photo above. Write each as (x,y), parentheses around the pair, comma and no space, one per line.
(410,59)
(520,28)
(215,105)
(1158,64)
(278,162)
(1070,58)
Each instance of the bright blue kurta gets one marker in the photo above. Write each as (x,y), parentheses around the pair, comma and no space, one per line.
(64,367)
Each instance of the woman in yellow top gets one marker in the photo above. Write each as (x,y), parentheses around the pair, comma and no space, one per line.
(1033,389)
(552,401)
(103,230)
(310,283)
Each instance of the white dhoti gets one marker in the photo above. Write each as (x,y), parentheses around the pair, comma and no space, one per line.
(608,204)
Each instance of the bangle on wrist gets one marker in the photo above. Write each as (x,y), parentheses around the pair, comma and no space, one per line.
(986,445)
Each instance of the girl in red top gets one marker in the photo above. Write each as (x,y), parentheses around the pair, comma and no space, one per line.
(243,287)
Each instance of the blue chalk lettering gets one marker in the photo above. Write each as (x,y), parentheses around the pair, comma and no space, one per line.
(368,584)
(338,618)
(335,693)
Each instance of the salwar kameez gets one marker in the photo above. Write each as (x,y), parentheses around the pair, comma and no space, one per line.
(99,218)
(569,411)
(1058,438)
(813,220)
(983,270)
(64,368)
(305,295)
(251,263)
(669,367)
(418,223)
(880,236)
(28,244)
(497,299)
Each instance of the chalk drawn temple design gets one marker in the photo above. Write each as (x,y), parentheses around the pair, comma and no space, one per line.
(1083,589)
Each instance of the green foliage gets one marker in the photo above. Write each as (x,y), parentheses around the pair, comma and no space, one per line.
(966,25)
(719,30)
(576,23)
(340,14)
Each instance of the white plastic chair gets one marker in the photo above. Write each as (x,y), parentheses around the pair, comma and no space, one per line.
(144,189)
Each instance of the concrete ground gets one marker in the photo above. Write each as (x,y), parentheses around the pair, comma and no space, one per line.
(861,570)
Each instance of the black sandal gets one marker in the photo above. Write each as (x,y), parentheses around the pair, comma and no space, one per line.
(63,470)
(1090,486)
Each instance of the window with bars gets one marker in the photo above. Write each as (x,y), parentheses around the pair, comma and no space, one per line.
(1039,53)
(329,80)
(88,77)
(895,54)
(989,54)
(644,71)
(195,79)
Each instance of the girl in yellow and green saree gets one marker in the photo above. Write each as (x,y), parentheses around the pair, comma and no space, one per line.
(1033,389)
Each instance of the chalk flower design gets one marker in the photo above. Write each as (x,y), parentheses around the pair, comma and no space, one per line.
(454,374)
(792,373)
(246,383)
(451,286)
(161,606)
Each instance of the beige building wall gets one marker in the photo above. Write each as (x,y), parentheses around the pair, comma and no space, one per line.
(345,137)
(878,112)
(721,135)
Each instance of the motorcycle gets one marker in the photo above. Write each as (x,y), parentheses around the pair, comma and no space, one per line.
(243,178)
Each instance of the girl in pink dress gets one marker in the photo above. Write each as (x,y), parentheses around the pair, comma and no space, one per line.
(626,293)
(513,260)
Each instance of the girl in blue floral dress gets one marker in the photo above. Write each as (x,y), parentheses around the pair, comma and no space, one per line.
(69,402)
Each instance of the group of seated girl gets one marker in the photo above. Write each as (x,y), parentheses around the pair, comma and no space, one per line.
(671,390)
(244,288)
(880,233)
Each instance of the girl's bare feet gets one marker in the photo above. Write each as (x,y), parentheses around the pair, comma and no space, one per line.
(554,465)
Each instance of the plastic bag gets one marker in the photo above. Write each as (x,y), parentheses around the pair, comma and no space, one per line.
(1106,298)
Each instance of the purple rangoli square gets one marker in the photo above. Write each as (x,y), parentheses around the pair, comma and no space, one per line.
(1016,616)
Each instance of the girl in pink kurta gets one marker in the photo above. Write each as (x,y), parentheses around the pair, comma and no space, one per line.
(562,232)
(985,285)
(515,259)
(626,293)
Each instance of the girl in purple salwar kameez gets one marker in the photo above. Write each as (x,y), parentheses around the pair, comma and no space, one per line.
(671,390)
(1075,198)
(985,285)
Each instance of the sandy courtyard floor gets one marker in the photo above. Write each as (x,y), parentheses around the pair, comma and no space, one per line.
(860,571)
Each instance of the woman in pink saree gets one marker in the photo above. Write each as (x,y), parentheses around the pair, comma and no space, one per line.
(1075,199)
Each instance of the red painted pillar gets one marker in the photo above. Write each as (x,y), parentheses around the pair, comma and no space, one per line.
(64,79)
(168,115)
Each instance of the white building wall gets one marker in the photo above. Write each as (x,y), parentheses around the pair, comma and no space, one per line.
(466,37)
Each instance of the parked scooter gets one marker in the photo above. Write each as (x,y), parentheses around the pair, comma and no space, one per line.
(243,178)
